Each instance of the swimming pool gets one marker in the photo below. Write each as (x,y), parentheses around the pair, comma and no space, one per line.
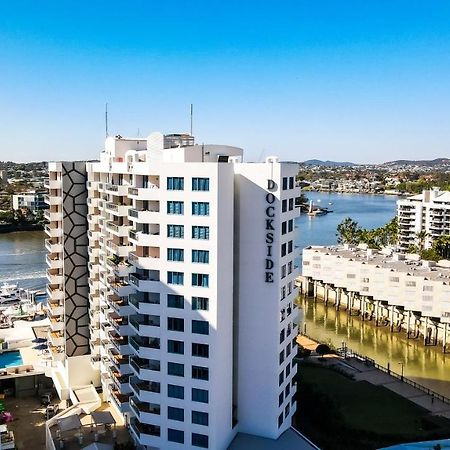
(10,359)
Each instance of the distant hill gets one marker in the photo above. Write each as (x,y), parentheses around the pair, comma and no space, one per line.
(423,162)
(318,162)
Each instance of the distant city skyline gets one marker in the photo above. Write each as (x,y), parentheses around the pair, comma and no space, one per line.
(353,81)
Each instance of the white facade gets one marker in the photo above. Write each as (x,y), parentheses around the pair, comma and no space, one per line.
(402,281)
(191,314)
(428,212)
(34,201)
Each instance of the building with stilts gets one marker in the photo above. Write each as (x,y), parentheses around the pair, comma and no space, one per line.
(396,290)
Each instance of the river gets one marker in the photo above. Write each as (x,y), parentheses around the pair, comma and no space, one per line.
(22,260)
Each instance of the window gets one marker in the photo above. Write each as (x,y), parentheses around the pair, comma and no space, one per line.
(200,373)
(199,440)
(280,420)
(288,370)
(284,206)
(175,231)
(287,390)
(199,232)
(280,399)
(289,267)
(428,289)
(291,204)
(200,326)
(288,350)
(175,435)
(281,356)
(175,301)
(280,378)
(175,278)
(175,369)
(175,324)
(285,183)
(200,184)
(283,227)
(410,283)
(200,395)
(200,418)
(291,225)
(175,254)
(175,347)
(200,350)
(175,207)
(283,271)
(290,246)
(175,413)
(200,208)
(200,279)
(286,410)
(200,303)
(175,183)
(282,335)
(200,256)
(175,391)
(291,182)
(283,249)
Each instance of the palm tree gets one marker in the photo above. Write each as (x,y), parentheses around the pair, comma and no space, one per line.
(421,237)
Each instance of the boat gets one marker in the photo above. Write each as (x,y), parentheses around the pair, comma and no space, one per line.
(312,212)
(11,294)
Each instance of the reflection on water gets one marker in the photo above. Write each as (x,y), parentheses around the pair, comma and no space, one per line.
(426,365)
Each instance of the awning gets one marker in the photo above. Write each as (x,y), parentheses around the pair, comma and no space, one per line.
(69,423)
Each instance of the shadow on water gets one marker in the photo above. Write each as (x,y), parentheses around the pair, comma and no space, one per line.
(426,365)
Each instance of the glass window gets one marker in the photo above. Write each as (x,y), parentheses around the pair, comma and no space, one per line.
(175,435)
(291,182)
(175,413)
(200,303)
(200,326)
(200,184)
(199,440)
(175,207)
(175,183)
(200,256)
(175,391)
(175,231)
(290,246)
(200,373)
(199,232)
(175,301)
(175,254)
(283,227)
(200,418)
(175,324)
(285,183)
(200,350)
(200,208)
(291,225)
(175,278)
(280,420)
(200,279)
(175,347)
(284,206)
(175,369)
(200,395)
(291,204)
(280,399)
(283,250)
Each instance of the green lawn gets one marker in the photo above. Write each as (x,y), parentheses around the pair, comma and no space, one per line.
(339,413)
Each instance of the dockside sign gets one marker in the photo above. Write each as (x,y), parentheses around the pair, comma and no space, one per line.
(270,215)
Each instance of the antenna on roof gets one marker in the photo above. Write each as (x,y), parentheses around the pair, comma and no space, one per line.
(106,119)
(192,113)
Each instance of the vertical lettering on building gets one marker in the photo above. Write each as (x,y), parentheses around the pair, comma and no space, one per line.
(269,227)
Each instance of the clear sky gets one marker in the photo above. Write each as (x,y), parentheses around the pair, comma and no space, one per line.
(358,80)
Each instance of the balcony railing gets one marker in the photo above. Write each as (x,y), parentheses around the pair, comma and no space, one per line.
(149,386)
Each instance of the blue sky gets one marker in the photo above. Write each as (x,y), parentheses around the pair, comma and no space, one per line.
(366,81)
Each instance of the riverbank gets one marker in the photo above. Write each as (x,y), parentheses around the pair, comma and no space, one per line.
(12,228)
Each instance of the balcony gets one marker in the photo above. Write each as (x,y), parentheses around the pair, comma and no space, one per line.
(151,239)
(92,218)
(54,293)
(121,362)
(144,368)
(56,324)
(53,200)
(145,283)
(56,338)
(92,185)
(151,192)
(54,276)
(143,302)
(55,307)
(145,411)
(146,390)
(118,230)
(144,215)
(52,184)
(151,262)
(144,431)
(121,288)
(53,231)
(121,250)
(119,342)
(120,268)
(120,324)
(145,347)
(144,324)
(119,304)
(54,262)
(121,381)
(116,189)
(121,400)
(53,216)
(117,210)
(53,246)
(57,352)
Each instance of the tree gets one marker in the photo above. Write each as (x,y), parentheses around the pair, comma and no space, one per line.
(323,349)
(348,232)
(441,246)
(421,237)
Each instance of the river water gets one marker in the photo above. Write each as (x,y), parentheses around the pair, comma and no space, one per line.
(22,260)
(426,365)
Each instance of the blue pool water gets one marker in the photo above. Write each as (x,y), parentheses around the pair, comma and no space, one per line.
(10,359)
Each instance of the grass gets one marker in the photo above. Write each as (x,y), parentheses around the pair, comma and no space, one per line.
(337,412)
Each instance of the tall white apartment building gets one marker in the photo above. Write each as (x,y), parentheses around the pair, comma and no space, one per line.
(427,212)
(190,263)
